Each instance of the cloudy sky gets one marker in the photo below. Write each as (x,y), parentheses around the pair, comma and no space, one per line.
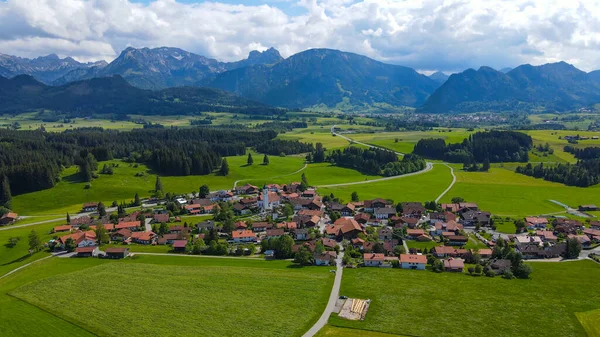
(447,35)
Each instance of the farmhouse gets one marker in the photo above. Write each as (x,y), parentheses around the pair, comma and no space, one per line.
(144,238)
(371,205)
(179,245)
(121,235)
(584,240)
(595,225)
(87,251)
(8,218)
(241,209)
(116,253)
(90,207)
(206,225)
(132,226)
(593,234)
(362,218)
(161,217)
(454,265)
(472,218)
(536,223)
(546,236)
(275,233)
(412,209)
(373,260)
(384,213)
(239,236)
(589,208)
(261,226)
(167,239)
(326,258)
(63,228)
(411,261)
(246,189)
(457,240)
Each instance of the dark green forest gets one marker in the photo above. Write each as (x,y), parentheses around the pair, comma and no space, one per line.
(491,146)
(583,174)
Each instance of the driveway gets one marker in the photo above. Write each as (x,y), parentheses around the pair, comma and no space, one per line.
(333,297)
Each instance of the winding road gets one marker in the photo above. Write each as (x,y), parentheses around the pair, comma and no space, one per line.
(427,168)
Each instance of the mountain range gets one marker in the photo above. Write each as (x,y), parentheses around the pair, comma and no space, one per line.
(331,78)
(550,87)
(113,95)
(46,68)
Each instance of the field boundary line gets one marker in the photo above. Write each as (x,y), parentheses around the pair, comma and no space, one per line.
(53,314)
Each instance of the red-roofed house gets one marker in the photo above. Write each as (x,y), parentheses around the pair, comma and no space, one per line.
(144,238)
(536,223)
(411,261)
(243,236)
(326,258)
(454,265)
(179,245)
(373,260)
(63,228)
(87,251)
(132,226)
(161,217)
(8,218)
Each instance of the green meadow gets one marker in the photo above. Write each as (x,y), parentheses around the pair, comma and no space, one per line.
(12,257)
(506,193)
(421,187)
(69,194)
(423,303)
(222,297)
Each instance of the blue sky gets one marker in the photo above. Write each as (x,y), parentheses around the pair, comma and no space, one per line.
(428,35)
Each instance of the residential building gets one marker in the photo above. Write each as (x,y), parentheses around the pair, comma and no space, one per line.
(275,233)
(90,251)
(301,234)
(384,213)
(385,233)
(116,253)
(454,265)
(143,238)
(326,258)
(240,236)
(8,218)
(412,261)
(533,223)
(90,207)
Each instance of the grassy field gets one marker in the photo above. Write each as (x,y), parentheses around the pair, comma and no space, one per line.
(334,331)
(18,255)
(506,193)
(590,321)
(69,194)
(316,134)
(422,187)
(155,294)
(422,245)
(422,303)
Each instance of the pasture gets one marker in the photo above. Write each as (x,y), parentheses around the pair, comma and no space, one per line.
(223,297)
(423,303)
(507,193)
(422,187)
(70,193)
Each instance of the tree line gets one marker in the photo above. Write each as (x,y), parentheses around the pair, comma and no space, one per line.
(584,173)
(33,160)
(278,146)
(585,153)
(493,146)
(375,161)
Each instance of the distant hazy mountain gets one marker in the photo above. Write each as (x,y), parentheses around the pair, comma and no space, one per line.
(505,70)
(327,77)
(165,67)
(557,86)
(115,96)
(439,77)
(46,68)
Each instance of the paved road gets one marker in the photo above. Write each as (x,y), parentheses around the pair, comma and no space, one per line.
(148,225)
(333,297)
(451,184)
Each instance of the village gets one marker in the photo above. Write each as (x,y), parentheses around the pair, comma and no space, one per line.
(294,222)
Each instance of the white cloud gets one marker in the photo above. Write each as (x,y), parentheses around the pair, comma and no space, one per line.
(448,35)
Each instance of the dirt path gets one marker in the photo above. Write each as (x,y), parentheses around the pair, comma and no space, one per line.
(25,266)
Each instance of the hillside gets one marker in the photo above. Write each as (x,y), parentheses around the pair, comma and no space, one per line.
(550,87)
(46,68)
(115,96)
(166,67)
(327,77)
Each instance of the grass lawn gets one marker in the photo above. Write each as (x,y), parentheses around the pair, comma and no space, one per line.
(422,187)
(219,296)
(507,227)
(422,245)
(14,257)
(590,321)
(334,331)
(69,194)
(316,134)
(506,193)
(422,303)
(474,243)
